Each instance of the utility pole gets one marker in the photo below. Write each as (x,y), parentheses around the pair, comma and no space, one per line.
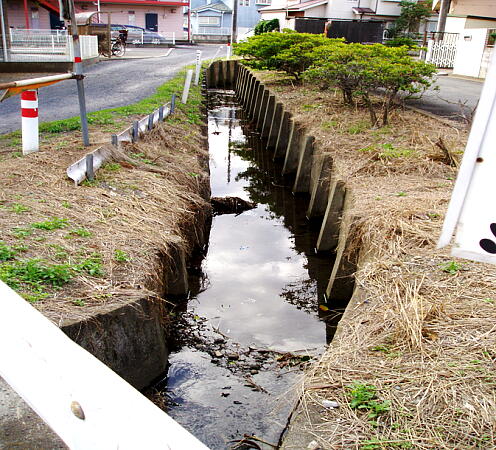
(234,35)
(443,13)
(69,13)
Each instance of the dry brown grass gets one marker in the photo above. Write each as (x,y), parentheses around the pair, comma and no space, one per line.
(424,337)
(141,203)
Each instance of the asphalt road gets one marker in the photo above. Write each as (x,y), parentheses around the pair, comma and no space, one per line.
(108,84)
(454,98)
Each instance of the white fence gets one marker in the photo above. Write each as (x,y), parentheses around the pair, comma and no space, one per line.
(213,31)
(442,52)
(48,46)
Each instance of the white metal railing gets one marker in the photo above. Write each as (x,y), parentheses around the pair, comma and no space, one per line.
(82,400)
(213,31)
(48,46)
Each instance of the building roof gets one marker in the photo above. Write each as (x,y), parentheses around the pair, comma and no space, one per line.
(363,11)
(298,6)
(218,6)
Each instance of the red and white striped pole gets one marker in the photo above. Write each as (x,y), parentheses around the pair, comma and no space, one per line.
(29,112)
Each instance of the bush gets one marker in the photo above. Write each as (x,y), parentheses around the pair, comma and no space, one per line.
(358,69)
(266,26)
(400,41)
(288,51)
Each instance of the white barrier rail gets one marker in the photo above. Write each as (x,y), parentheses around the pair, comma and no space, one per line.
(81,399)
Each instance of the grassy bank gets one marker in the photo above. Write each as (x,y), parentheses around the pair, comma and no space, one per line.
(71,250)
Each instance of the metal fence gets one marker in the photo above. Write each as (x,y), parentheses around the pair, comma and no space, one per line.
(441,49)
(47,46)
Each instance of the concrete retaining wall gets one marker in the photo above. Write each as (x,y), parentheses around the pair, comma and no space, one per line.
(308,167)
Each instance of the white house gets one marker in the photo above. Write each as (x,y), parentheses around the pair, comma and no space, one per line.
(475,23)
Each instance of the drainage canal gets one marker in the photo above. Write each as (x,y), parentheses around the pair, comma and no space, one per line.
(253,319)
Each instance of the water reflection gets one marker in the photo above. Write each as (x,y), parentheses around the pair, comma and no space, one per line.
(260,285)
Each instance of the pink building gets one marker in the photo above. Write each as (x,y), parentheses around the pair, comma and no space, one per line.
(154,15)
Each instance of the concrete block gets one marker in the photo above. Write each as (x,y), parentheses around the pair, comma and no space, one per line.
(275,126)
(305,162)
(259,90)
(320,184)
(220,75)
(260,115)
(269,116)
(177,274)
(283,136)
(342,281)
(296,140)
(329,232)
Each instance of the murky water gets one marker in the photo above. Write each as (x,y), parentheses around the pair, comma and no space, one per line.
(254,309)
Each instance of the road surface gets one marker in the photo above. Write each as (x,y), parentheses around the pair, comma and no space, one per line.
(108,84)
(455,98)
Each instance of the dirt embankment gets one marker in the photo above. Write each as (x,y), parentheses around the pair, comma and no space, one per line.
(412,365)
(92,255)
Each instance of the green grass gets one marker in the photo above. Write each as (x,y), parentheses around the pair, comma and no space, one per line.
(92,265)
(21,233)
(34,274)
(391,152)
(81,232)
(112,167)
(121,256)
(451,267)
(6,252)
(52,224)
(363,396)
(19,208)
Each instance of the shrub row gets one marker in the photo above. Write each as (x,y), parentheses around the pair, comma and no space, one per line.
(357,70)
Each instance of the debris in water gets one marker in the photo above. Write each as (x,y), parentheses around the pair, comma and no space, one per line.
(230,205)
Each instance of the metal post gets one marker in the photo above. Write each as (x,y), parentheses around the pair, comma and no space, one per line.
(150,121)
(78,70)
(90,172)
(173,104)
(161,114)
(135,131)
(115,140)
(3,31)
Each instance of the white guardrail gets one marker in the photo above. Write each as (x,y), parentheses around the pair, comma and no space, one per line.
(81,399)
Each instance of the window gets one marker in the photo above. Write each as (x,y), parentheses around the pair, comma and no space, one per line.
(244,2)
(262,2)
(209,20)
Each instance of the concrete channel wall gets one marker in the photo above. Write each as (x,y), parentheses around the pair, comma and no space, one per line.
(302,161)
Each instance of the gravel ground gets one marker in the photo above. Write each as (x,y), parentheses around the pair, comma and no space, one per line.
(108,84)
